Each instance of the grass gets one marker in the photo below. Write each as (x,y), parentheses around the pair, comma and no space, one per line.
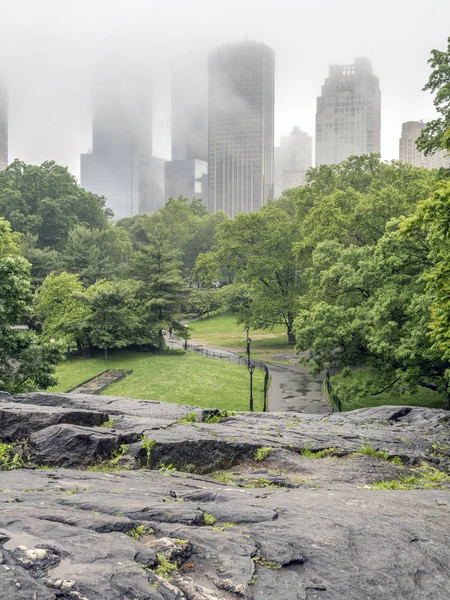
(223,330)
(422,397)
(426,477)
(188,379)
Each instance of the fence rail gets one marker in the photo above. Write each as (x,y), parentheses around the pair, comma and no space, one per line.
(225,356)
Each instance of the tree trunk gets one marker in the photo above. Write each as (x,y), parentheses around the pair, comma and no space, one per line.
(106,353)
(291,336)
(160,335)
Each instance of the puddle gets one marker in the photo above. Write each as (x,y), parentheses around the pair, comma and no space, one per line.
(19,539)
(66,570)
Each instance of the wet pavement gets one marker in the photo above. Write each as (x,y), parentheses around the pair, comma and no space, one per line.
(291,387)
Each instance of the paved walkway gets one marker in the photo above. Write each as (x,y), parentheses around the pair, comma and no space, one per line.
(291,387)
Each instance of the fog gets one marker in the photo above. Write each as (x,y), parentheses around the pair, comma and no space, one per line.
(50,51)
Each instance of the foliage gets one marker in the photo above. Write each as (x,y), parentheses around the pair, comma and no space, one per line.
(217,416)
(25,363)
(109,314)
(147,446)
(62,312)
(209,519)
(189,418)
(46,201)
(426,477)
(436,134)
(158,268)
(257,249)
(320,453)
(139,531)
(95,254)
(9,458)
(204,301)
(262,453)
(165,567)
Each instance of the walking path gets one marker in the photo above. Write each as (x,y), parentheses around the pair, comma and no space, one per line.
(99,383)
(291,387)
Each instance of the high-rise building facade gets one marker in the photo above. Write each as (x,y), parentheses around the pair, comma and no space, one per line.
(292,159)
(348,117)
(121,166)
(241,127)
(408,152)
(185,174)
(3,127)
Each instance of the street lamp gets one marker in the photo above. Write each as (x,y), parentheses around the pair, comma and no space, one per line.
(186,335)
(251,368)
(249,341)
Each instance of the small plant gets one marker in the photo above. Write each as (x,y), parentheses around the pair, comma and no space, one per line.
(209,519)
(109,423)
(371,451)
(217,417)
(252,581)
(425,477)
(74,491)
(260,560)
(223,477)
(165,567)
(147,445)
(119,453)
(189,418)
(139,531)
(320,453)
(262,453)
(10,460)
(166,469)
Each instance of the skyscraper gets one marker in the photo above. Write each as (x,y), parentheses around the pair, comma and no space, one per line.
(120,166)
(348,117)
(3,127)
(241,127)
(185,173)
(408,152)
(292,159)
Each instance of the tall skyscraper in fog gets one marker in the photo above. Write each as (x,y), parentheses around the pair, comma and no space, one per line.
(408,152)
(241,127)
(348,117)
(292,159)
(121,166)
(3,127)
(186,171)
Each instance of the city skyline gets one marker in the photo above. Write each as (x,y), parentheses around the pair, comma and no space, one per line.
(49,61)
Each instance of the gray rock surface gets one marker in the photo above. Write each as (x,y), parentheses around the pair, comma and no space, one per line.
(207,521)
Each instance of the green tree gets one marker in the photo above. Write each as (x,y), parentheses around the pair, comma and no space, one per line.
(97,253)
(47,202)
(25,362)
(62,311)
(158,267)
(436,134)
(117,317)
(259,249)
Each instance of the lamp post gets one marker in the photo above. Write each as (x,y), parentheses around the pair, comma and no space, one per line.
(249,341)
(186,335)
(251,368)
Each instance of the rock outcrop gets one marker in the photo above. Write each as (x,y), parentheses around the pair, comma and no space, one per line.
(122,500)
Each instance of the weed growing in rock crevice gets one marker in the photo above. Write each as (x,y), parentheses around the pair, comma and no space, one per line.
(262,453)
(9,458)
(320,453)
(426,477)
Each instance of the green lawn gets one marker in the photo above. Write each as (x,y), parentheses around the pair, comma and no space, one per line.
(184,379)
(422,397)
(223,330)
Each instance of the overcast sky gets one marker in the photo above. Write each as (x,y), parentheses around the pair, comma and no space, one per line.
(48,49)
